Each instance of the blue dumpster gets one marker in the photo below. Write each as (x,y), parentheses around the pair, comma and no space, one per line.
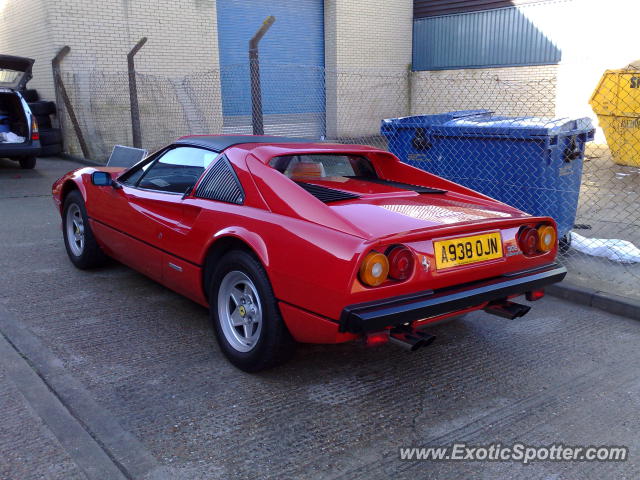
(534,164)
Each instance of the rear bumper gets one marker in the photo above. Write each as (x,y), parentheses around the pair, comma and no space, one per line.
(15,150)
(390,312)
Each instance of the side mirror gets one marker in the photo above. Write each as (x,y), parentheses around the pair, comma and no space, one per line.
(101,179)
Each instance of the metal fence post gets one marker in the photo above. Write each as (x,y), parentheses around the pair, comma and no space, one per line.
(254,69)
(409,89)
(133,94)
(61,92)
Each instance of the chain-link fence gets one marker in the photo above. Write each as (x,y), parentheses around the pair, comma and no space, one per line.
(507,142)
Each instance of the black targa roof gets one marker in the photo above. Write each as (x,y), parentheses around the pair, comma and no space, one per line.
(222,142)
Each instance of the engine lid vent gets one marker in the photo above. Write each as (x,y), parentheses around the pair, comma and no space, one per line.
(326,194)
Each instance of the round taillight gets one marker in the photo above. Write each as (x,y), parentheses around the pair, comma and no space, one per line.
(374,269)
(528,240)
(401,262)
(546,238)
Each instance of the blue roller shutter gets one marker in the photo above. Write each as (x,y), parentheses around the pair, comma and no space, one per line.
(291,65)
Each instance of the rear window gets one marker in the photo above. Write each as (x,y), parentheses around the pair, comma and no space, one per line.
(323,166)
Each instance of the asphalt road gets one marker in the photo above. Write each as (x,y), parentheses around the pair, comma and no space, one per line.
(137,368)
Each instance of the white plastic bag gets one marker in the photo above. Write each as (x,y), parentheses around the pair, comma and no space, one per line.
(620,251)
(10,137)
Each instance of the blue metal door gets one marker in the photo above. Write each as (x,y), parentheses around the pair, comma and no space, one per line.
(291,65)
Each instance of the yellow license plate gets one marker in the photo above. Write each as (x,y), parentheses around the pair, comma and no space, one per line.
(465,250)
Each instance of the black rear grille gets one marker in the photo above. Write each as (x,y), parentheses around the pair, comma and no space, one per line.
(220,183)
(325,194)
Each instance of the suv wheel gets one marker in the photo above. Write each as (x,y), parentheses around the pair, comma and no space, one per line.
(27,163)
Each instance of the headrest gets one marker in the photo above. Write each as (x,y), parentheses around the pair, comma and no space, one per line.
(307,169)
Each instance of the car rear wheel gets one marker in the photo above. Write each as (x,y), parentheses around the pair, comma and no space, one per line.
(82,248)
(27,163)
(245,314)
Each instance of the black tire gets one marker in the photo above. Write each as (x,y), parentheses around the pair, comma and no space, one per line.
(274,344)
(50,136)
(30,96)
(42,107)
(90,255)
(27,163)
(44,121)
(50,150)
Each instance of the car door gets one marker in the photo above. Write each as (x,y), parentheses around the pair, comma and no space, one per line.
(149,204)
(173,215)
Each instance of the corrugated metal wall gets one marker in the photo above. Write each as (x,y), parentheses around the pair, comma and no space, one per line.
(430,8)
(499,37)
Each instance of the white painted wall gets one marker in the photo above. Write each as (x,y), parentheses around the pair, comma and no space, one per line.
(367,58)
(593,36)
(25,32)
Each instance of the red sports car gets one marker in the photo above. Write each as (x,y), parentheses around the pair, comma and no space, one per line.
(286,241)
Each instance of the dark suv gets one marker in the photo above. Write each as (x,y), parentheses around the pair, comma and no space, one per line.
(19,137)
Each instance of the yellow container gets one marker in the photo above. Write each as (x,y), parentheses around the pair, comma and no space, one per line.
(616,101)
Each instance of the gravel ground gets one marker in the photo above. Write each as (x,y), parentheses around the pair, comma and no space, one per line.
(564,373)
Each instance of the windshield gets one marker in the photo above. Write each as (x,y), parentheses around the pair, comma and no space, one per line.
(325,167)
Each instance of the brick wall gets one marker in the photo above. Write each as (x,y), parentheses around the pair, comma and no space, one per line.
(509,91)
(368,51)
(24,31)
(182,35)
(367,56)
(179,84)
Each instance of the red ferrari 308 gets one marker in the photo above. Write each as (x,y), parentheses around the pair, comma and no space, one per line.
(286,241)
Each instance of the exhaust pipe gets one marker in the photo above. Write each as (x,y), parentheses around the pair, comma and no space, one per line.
(409,338)
(507,309)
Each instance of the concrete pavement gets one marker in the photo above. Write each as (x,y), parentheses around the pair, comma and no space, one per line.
(28,447)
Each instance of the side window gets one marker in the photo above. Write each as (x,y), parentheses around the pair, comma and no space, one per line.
(131,176)
(221,183)
(177,170)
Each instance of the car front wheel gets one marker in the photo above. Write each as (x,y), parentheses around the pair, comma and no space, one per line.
(82,248)
(245,314)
